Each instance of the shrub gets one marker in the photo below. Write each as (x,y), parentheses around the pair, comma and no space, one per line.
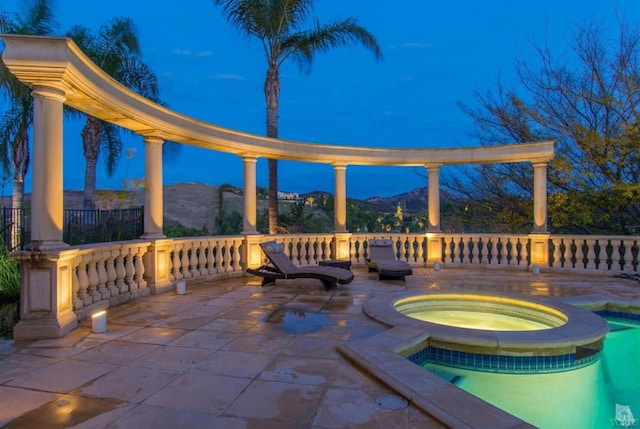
(9,292)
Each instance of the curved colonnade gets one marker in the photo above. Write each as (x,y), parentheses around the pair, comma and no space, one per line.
(59,73)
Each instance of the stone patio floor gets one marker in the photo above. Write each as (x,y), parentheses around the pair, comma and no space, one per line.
(230,354)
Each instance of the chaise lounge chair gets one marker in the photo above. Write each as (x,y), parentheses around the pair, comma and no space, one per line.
(281,267)
(382,258)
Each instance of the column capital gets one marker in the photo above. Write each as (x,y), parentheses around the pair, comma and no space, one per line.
(152,138)
(53,92)
(250,157)
(340,165)
(433,165)
(540,163)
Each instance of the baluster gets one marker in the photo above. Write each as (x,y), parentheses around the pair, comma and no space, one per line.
(412,250)
(624,257)
(491,251)
(92,271)
(184,261)
(202,259)
(480,251)
(295,253)
(130,271)
(465,256)
(75,289)
(218,258)
(83,282)
(121,273)
(557,254)
(304,252)
(193,259)
(615,255)
(138,264)
(235,256)
(102,276)
(525,252)
(578,254)
(226,257)
(472,247)
(449,252)
(604,260)
(501,251)
(591,254)
(111,274)
(211,263)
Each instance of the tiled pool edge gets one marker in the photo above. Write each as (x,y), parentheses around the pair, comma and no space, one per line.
(383,357)
(428,392)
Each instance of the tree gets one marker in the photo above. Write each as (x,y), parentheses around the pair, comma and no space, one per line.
(589,104)
(278,24)
(115,49)
(35,19)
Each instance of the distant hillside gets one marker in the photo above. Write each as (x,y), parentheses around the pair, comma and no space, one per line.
(195,205)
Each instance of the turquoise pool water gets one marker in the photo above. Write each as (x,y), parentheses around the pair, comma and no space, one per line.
(605,394)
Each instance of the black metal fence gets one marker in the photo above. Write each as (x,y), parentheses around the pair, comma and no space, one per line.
(80,226)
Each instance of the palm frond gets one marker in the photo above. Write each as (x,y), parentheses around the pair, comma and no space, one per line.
(322,38)
(138,76)
(112,145)
(170,151)
(38,18)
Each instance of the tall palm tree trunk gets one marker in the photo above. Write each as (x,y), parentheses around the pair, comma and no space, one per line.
(20,161)
(272,94)
(91,136)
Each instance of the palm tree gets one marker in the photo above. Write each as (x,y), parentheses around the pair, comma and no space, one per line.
(278,24)
(115,50)
(35,19)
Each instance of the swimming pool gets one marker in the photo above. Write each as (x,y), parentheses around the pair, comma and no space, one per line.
(601,395)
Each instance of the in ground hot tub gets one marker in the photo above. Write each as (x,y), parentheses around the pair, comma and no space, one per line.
(495,333)
(493,313)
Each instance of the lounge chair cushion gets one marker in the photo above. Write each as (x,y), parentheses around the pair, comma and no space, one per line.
(274,247)
(284,268)
(382,258)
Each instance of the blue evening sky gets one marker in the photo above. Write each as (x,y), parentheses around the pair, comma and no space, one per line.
(436,54)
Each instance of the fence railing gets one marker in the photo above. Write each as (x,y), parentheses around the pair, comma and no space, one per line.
(80,226)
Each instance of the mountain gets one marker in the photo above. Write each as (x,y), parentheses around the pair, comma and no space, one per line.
(195,205)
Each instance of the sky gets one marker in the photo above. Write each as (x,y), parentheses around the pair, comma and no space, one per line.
(436,55)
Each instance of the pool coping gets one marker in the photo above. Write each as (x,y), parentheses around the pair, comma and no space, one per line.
(383,356)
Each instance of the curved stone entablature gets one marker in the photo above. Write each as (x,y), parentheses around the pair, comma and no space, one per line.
(59,63)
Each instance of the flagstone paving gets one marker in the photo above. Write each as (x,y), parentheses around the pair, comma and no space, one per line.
(231,354)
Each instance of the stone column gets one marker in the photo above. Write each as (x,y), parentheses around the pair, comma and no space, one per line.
(157,258)
(47,198)
(153,190)
(434,197)
(434,234)
(540,197)
(340,198)
(341,246)
(539,236)
(251,254)
(46,267)
(249,221)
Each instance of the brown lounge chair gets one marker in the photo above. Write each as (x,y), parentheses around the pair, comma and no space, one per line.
(281,267)
(382,258)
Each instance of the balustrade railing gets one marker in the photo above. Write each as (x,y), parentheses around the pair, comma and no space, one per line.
(203,258)
(109,273)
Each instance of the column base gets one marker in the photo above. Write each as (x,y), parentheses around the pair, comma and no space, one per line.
(157,265)
(38,329)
